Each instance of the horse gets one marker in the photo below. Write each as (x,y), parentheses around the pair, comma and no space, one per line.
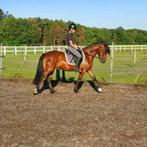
(51,60)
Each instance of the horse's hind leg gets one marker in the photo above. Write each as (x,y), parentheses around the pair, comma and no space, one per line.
(40,84)
(50,72)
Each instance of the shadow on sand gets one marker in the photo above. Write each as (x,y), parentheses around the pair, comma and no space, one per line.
(71,80)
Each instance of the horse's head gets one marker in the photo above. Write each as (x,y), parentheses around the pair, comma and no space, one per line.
(103,51)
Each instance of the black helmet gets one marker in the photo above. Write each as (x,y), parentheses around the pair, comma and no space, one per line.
(72,26)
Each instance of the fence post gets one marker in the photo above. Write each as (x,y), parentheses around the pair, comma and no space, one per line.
(35,51)
(120,48)
(124,48)
(1,60)
(111,62)
(25,54)
(43,49)
(5,52)
(141,48)
(52,48)
(132,48)
(15,50)
(134,56)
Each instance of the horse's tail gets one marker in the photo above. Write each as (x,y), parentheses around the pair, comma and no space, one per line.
(39,71)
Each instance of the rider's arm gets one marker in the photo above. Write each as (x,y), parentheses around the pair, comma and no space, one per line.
(73,45)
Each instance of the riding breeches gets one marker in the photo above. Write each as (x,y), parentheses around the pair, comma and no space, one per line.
(74,52)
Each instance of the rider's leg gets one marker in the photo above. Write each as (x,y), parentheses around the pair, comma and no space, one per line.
(78,62)
(77,55)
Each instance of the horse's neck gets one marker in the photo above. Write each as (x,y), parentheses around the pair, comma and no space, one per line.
(90,53)
(91,49)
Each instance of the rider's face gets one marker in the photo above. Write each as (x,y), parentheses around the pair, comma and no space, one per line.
(73,30)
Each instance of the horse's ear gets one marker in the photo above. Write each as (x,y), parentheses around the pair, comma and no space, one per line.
(107,48)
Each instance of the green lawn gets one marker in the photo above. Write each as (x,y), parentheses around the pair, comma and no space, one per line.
(124,70)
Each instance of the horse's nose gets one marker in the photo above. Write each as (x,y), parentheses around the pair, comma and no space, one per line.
(103,61)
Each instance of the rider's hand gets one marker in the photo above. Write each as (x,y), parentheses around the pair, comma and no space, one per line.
(73,45)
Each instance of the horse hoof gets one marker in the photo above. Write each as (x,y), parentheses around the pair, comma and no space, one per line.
(52,91)
(35,91)
(76,90)
(100,90)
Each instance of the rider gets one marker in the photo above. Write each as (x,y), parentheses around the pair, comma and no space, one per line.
(72,46)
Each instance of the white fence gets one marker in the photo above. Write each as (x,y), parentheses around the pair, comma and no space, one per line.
(1,61)
(43,49)
(134,52)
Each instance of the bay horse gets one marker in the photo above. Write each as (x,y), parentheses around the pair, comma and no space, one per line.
(49,61)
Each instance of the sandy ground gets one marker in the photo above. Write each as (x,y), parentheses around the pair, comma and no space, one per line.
(115,118)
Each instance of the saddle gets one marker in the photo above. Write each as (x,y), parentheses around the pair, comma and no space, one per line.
(70,58)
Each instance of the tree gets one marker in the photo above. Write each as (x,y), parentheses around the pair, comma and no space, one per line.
(1,14)
(38,31)
(119,36)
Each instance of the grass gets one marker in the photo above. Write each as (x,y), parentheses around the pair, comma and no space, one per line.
(124,70)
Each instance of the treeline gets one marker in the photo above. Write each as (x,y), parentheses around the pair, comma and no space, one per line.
(37,31)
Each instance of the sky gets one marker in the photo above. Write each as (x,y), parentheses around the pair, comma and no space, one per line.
(128,14)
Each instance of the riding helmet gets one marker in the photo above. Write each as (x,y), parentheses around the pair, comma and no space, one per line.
(72,26)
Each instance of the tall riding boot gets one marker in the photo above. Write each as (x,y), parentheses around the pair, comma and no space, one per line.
(77,66)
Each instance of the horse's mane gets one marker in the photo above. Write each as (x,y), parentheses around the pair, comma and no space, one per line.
(90,45)
(99,43)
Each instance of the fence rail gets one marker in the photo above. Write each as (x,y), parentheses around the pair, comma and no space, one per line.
(43,49)
(122,60)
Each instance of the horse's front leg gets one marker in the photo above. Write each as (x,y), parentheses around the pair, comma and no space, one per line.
(95,82)
(76,88)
